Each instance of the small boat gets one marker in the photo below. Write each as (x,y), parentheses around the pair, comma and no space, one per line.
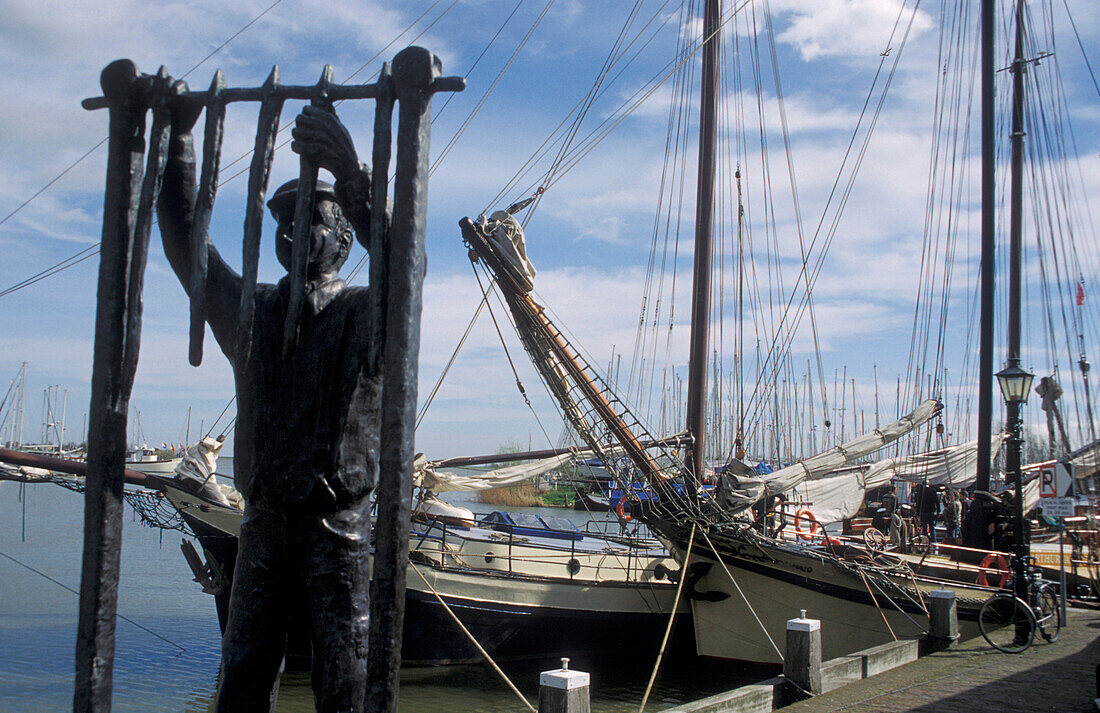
(156,461)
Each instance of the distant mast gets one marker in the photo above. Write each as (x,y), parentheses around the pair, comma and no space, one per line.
(704,221)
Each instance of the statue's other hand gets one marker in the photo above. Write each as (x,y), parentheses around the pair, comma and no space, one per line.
(185,112)
(320,136)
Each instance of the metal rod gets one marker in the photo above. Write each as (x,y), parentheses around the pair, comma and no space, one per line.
(414,70)
(258,174)
(204,206)
(337,93)
(1013,417)
(107,428)
(303,226)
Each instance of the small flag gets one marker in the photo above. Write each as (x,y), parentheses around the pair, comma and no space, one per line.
(1080,294)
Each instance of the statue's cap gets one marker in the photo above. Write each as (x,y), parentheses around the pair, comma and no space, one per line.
(287,194)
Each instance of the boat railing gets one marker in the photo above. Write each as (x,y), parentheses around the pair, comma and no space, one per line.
(447,546)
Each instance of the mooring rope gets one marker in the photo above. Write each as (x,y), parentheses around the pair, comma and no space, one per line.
(473,640)
(738,587)
(671,619)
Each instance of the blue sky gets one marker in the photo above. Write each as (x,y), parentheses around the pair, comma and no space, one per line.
(591,235)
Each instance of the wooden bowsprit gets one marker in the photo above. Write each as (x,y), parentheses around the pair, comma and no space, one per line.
(396,275)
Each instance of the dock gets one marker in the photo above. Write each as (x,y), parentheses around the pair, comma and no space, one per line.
(972,676)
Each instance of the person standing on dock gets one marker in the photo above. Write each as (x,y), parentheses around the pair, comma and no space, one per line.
(305,535)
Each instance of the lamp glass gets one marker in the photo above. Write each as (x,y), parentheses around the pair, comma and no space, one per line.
(1015,384)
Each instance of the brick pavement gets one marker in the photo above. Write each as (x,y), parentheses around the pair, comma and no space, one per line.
(1047,678)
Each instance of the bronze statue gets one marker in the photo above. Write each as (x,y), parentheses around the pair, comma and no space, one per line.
(306,529)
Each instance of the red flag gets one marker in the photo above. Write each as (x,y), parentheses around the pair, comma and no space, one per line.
(1080,294)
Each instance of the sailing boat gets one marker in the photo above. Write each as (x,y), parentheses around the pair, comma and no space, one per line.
(745,585)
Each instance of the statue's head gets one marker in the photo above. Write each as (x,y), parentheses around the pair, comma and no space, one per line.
(330,232)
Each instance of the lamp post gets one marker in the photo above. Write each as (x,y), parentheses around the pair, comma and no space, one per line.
(1015,385)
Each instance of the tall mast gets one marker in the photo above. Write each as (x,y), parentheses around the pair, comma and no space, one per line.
(704,222)
(977,530)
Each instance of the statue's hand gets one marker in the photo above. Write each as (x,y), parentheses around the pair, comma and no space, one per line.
(319,135)
(184,112)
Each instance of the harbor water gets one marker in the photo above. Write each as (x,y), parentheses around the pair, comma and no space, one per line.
(168,642)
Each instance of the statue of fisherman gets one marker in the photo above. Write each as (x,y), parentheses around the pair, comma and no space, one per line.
(305,536)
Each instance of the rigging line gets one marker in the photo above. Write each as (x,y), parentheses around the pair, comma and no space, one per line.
(496,80)
(735,584)
(450,95)
(804,276)
(548,142)
(104,139)
(446,369)
(219,418)
(593,92)
(70,589)
(816,271)
(1082,46)
(626,109)
(58,177)
(232,37)
(65,264)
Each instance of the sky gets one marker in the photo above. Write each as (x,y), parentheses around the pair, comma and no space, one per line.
(592,232)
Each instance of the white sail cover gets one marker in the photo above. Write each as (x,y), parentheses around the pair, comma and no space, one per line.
(505,236)
(197,467)
(818,465)
(956,466)
(1086,461)
(830,499)
(426,476)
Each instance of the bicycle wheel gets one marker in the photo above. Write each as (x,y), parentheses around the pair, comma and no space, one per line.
(1007,623)
(1048,615)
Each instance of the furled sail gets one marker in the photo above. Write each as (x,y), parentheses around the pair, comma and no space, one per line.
(826,462)
(428,477)
(956,466)
(740,491)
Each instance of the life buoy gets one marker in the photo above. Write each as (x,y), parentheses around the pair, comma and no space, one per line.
(997,564)
(814,527)
(619,509)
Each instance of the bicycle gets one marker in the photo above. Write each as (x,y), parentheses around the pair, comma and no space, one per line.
(1009,623)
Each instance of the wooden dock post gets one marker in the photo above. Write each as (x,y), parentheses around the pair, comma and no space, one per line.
(564,691)
(802,663)
(943,618)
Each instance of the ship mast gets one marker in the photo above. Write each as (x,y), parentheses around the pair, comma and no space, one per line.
(704,222)
(977,531)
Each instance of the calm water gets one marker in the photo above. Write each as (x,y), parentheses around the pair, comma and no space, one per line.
(168,643)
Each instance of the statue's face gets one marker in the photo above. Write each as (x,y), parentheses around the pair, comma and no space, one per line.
(328,242)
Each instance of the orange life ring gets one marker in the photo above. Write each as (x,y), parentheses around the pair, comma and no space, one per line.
(814,526)
(619,509)
(996,563)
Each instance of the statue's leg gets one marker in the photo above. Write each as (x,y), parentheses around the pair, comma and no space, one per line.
(255,634)
(335,550)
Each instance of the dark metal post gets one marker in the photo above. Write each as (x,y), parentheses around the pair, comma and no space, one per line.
(124,245)
(416,76)
(263,153)
(977,530)
(303,219)
(204,206)
(704,222)
(1021,547)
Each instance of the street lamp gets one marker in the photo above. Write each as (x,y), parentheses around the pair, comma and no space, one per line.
(1015,386)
